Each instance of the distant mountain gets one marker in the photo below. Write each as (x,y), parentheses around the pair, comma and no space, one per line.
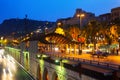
(20,26)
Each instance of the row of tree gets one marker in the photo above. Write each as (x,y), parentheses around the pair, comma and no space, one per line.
(95,32)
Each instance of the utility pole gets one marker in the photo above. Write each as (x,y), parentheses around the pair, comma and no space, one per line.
(26,30)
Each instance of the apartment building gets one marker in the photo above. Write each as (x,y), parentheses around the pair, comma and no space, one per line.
(76,20)
(115,13)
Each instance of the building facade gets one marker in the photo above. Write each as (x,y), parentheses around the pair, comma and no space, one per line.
(77,19)
(105,17)
(115,13)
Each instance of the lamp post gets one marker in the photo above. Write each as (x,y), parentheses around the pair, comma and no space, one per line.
(59,24)
(46,30)
(80,16)
(119,42)
(61,62)
(95,42)
(38,31)
(1,41)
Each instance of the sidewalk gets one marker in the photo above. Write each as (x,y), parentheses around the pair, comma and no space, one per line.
(110,59)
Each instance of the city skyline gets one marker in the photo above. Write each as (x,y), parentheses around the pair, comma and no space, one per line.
(52,10)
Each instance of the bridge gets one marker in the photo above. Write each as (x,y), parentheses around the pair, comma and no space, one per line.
(51,65)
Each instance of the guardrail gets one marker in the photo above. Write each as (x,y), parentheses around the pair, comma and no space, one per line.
(91,62)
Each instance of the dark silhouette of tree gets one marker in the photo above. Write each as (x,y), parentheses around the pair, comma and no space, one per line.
(92,31)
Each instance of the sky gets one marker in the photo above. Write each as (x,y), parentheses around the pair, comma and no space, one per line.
(51,10)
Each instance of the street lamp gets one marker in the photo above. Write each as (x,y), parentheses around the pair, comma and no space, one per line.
(1,41)
(46,30)
(119,42)
(61,62)
(59,24)
(80,16)
(41,56)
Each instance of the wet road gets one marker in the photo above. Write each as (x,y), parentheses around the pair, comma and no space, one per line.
(10,70)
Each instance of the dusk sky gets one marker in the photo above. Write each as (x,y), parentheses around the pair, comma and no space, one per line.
(52,10)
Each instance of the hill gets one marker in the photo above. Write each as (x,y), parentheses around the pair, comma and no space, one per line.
(22,26)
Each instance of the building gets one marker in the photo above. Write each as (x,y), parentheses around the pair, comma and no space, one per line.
(115,13)
(105,17)
(77,20)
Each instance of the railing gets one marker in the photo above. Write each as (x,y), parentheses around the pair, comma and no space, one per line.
(90,62)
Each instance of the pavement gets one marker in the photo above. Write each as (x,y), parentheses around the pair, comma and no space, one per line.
(113,59)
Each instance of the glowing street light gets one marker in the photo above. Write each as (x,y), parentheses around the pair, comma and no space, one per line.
(41,56)
(119,42)
(59,24)
(80,16)
(61,62)
(1,40)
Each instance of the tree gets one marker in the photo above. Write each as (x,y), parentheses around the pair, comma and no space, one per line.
(117,23)
(92,32)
